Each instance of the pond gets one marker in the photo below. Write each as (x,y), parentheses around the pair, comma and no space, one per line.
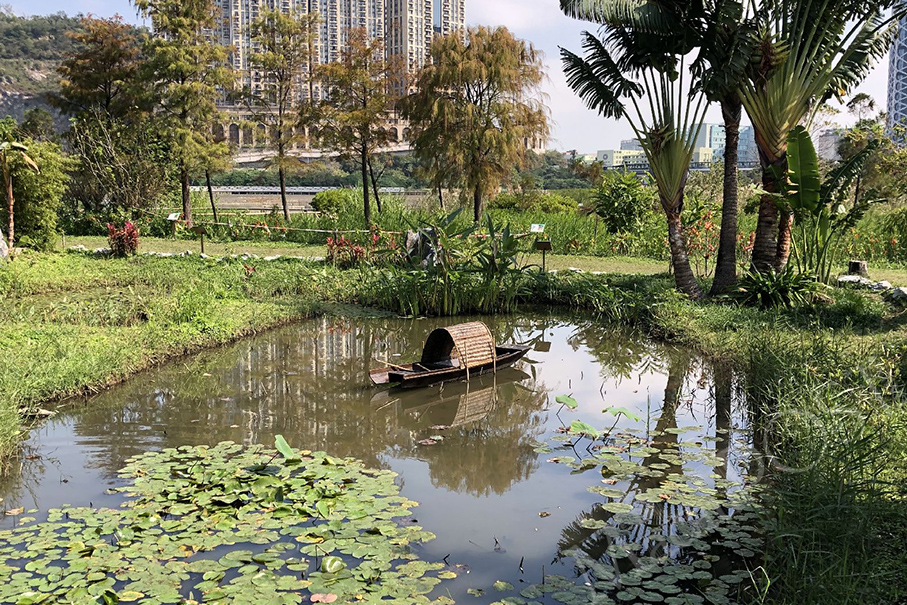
(503,473)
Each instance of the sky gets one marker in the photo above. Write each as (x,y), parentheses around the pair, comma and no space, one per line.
(538,21)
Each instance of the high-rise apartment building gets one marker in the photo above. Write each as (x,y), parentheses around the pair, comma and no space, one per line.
(452,17)
(409,30)
(897,80)
(406,26)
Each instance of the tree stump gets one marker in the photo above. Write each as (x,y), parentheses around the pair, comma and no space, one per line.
(858,267)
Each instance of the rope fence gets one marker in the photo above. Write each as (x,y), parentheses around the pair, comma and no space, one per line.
(282,229)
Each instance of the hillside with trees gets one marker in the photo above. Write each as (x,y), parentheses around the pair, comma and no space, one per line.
(31,49)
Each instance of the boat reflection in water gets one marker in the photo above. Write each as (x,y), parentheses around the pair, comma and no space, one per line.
(452,404)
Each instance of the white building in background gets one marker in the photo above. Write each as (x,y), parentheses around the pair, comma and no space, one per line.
(897,80)
(406,26)
(708,148)
(409,30)
(452,17)
(613,159)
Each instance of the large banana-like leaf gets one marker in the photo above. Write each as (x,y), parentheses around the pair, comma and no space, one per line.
(643,15)
(803,171)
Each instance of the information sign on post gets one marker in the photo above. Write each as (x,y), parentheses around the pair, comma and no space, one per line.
(542,244)
(174,218)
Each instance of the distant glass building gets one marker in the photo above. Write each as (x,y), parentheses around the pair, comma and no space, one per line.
(897,79)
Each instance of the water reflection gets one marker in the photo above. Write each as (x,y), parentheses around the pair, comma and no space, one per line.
(483,484)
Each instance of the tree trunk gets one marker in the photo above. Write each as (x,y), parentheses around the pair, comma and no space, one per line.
(11,204)
(283,192)
(683,274)
(211,194)
(726,267)
(371,173)
(765,246)
(365,196)
(785,226)
(477,204)
(187,198)
(441,197)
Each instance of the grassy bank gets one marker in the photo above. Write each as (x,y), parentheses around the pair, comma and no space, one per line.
(825,386)
(824,382)
(74,324)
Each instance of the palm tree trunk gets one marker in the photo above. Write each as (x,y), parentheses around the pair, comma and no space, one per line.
(477,203)
(187,198)
(365,195)
(282,175)
(683,274)
(211,194)
(726,267)
(765,246)
(785,226)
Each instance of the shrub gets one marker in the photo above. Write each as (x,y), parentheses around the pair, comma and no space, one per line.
(346,253)
(535,201)
(623,202)
(331,201)
(123,241)
(38,196)
(774,289)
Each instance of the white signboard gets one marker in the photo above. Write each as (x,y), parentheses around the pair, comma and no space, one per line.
(537,228)
(174,216)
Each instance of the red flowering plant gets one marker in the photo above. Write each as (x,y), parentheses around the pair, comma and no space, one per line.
(347,253)
(124,241)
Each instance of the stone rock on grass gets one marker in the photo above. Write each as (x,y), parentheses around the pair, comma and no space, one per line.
(898,296)
(854,280)
(4,249)
(882,286)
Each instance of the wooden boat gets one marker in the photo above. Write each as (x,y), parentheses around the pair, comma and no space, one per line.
(454,353)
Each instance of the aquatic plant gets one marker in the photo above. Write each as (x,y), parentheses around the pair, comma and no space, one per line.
(662,533)
(227,524)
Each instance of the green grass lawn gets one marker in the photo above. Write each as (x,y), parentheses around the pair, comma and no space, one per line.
(72,323)
(560,262)
(176,246)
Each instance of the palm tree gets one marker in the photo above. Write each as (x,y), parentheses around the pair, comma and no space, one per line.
(723,36)
(647,70)
(9,149)
(807,52)
(726,45)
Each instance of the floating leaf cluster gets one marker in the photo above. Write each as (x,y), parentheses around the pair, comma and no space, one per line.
(227,524)
(671,528)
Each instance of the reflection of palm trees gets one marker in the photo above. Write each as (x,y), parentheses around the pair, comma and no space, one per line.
(310,383)
(658,518)
(619,354)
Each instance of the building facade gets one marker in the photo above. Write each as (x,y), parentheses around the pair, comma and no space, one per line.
(897,80)
(406,26)
(409,31)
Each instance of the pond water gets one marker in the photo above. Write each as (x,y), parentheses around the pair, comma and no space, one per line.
(505,492)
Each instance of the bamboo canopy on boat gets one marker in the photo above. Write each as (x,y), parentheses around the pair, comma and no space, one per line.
(470,345)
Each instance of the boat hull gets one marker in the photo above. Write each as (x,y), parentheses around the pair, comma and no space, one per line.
(409,376)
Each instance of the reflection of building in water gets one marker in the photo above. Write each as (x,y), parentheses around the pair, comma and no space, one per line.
(310,383)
